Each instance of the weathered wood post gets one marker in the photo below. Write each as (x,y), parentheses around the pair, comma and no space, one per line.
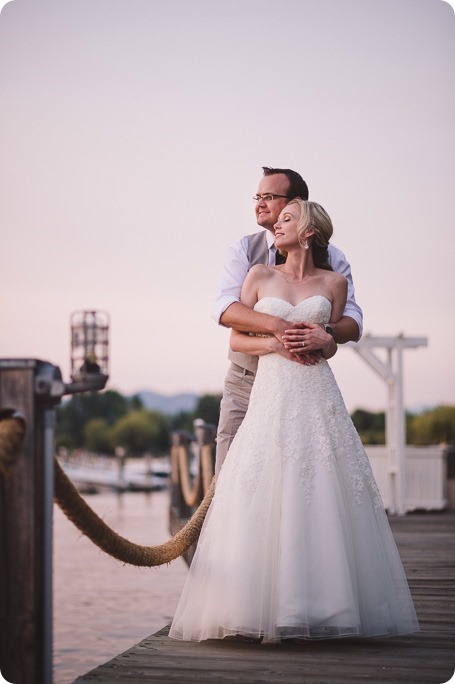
(179,510)
(205,434)
(28,391)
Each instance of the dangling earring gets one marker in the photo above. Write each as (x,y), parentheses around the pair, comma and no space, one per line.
(306,245)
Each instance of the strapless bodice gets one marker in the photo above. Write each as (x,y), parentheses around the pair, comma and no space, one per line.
(314,309)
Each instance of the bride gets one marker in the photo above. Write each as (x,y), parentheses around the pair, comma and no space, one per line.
(296,543)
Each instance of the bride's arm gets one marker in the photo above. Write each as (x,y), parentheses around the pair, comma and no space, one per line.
(258,345)
(242,317)
(339,292)
(244,340)
(255,343)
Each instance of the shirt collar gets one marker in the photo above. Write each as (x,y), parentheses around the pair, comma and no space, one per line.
(270,238)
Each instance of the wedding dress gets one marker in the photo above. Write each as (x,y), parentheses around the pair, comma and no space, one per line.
(296,542)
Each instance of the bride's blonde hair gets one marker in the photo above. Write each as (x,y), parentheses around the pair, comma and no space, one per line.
(312,215)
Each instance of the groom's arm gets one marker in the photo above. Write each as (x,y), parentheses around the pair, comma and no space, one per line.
(240,317)
(349,327)
(345,330)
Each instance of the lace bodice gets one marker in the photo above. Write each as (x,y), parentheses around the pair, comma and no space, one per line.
(314,309)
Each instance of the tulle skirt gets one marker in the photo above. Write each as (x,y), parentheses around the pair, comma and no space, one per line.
(273,568)
(296,543)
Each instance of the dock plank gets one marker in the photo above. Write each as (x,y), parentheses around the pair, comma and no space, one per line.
(427,546)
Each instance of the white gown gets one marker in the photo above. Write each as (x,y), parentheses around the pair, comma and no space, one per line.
(296,542)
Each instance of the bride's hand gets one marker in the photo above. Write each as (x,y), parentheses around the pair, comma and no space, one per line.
(310,359)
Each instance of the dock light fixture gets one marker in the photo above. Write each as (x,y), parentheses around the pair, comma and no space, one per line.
(89,351)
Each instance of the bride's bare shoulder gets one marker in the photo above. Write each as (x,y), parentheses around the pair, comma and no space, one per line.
(337,283)
(334,277)
(260,271)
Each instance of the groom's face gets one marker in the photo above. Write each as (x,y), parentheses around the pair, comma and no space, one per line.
(267,212)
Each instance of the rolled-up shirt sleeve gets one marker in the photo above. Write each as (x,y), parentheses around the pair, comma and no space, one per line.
(339,263)
(235,270)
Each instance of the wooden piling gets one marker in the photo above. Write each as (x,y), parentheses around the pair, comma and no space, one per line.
(25,523)
(179,510)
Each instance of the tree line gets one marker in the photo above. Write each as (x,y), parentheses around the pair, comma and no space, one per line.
(432,426)
(101,422)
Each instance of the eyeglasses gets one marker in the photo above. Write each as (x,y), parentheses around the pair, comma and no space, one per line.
(267,198)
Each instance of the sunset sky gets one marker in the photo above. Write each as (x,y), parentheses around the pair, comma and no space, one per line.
(132,136)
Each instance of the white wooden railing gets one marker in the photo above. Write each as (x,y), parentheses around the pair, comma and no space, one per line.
(425,482)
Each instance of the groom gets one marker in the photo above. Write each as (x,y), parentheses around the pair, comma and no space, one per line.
(276,188)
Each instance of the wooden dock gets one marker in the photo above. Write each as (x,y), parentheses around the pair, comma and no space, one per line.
(427,546)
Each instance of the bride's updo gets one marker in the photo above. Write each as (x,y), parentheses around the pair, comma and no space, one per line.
(312,215)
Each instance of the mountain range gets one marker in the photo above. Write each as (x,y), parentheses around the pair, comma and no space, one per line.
(169,405)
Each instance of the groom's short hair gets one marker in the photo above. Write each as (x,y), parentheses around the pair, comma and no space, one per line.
(297,186)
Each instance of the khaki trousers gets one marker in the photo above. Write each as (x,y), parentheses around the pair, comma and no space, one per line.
(236,396)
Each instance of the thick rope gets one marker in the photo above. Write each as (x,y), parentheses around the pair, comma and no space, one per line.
(207,466)
(12,433)
(190,492)
(180,468)
(90,524)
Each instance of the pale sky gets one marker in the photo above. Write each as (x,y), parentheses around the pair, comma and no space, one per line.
(132,136)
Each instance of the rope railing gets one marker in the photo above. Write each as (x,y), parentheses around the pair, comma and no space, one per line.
(180,469)
(190,491)
(208,470)
(90,524)
(66,495)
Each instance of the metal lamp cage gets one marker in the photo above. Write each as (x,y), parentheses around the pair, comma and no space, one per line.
(89,344)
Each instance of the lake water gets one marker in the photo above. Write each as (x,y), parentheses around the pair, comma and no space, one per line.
(101,606)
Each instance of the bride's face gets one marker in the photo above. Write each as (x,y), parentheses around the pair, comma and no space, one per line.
(286,226)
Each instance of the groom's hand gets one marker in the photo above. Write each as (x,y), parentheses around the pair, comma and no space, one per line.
(306,338)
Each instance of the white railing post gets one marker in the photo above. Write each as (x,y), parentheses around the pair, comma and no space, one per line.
(392,373)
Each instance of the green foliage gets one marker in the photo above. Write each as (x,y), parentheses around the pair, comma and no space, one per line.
(141,431)
(370,426)
(102,421)
(73,415)
(181,421)
(97,436)
(136,403)
(208,408)
(435,426)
